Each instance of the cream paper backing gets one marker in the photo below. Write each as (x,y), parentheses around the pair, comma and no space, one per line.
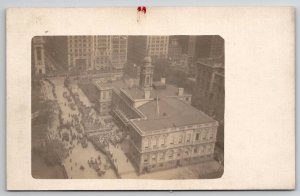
(259,88)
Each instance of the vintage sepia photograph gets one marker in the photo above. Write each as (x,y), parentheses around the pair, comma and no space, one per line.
(129,107)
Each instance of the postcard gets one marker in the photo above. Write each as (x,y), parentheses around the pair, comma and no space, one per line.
(151,98)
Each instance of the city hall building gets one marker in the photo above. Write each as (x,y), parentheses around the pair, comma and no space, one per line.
(165,130)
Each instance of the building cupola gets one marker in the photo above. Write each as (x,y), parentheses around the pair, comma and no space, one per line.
(146,74)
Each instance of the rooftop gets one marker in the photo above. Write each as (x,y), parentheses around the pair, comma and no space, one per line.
(211,62)
(135,91)
(172,113)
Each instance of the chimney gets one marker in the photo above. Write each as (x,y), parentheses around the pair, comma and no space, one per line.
(147,94)
(180,91)
(163,81)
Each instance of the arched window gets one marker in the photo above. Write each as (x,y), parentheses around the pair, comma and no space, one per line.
(147,80)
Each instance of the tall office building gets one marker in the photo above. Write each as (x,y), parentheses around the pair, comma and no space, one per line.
(191,47)
(102,53)
(154,46)
(56,53)
(209,96)
(38,57)
(217,47)
(80,52)
(175,50)
(119,51)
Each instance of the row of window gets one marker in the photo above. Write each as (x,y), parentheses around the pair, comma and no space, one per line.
(205,135)
(172,154)
(162,141)
(80,45)
(106,94)
(162,164)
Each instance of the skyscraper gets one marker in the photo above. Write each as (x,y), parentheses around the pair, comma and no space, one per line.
(38,55)
(97,52)
(191,47)
(119,51)
(154,46)
(217,47)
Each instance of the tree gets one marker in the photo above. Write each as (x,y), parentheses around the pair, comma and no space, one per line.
(67,81)
(161,69)
(65,136)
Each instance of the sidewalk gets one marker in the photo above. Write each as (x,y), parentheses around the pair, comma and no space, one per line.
(205,170)
(121,161)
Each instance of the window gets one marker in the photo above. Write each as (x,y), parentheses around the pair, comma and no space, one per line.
(104,94)
(147,143)
(163,141)
(196,150)
(178,153)
(209,148)
(39,53)
(147,80)
(202,149)
(172,140)
(153,157)
(146,159)
(155,142)
(197,136)
(204,137)
(161,156)
(180,139)
(188,137)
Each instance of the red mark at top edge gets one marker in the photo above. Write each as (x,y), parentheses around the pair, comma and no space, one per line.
(142,9)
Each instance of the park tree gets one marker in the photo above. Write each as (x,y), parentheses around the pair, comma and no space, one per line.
(67,82)
(161,69)
(65,136)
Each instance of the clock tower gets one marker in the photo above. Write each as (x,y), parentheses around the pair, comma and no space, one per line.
(146,75)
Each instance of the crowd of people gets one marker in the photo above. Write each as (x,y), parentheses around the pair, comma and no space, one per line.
(75,122)
(100,166)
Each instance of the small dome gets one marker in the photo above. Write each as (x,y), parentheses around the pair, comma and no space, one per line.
(147,59)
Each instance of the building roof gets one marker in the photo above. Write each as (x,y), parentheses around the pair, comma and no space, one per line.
(138,93)
(169,91)
(147,59)
(172,113)
(135,91)
(211,62)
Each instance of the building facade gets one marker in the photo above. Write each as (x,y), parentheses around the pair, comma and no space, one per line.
(80,50)
(104,53)
(154,46)
(103,104)
(174,51)
(172,147)
(38,52)
(56,48)
(217,47)
(165,130)
(210,91)
(209,96)
(192,40)
(119,46)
